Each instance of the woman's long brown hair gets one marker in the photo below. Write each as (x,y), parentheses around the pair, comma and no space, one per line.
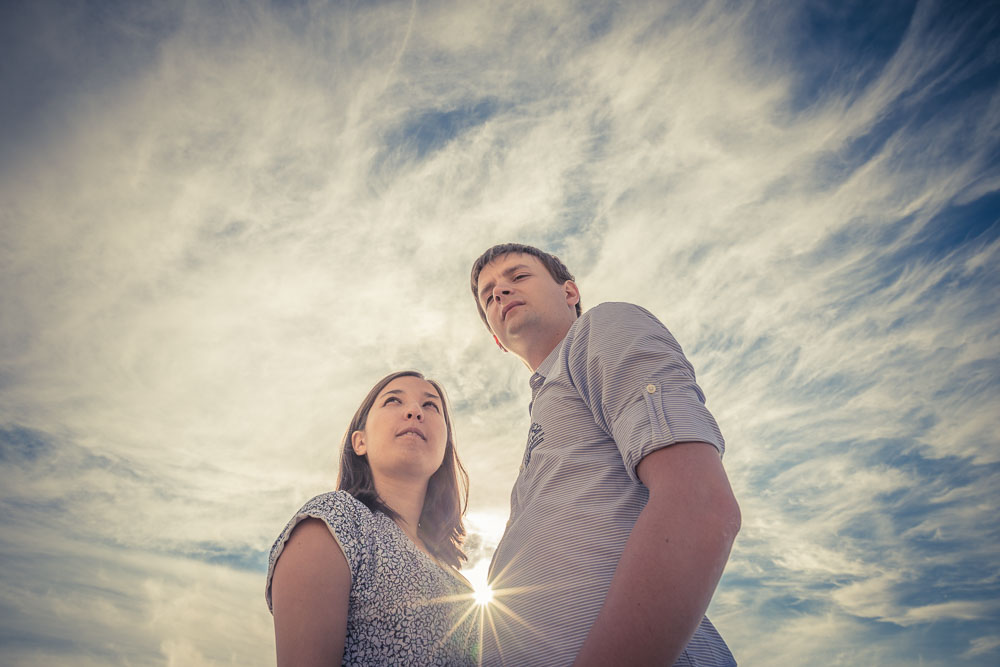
(440,527)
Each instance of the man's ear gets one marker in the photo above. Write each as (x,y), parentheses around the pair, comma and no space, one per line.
(572,293)
(358,443)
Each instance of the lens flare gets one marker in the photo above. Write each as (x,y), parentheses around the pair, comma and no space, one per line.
(478,577)
(483,594)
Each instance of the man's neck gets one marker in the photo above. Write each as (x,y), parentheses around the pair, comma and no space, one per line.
(534,355)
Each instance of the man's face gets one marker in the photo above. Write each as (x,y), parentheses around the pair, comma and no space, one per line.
(523,304)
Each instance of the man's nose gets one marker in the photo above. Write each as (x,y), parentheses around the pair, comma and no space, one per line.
(501,289)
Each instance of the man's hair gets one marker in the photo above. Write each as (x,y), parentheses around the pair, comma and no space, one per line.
(440,526)
(556,269)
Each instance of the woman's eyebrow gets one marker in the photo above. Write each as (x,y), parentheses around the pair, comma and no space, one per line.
(400,391)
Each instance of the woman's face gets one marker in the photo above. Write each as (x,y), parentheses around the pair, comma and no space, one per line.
(405,433)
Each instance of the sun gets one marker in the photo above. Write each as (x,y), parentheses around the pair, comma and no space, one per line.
(482,594)
(478,579)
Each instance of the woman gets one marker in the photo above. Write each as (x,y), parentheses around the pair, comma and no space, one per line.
(368,574)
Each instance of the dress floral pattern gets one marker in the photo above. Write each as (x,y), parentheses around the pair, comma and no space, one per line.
(404,608)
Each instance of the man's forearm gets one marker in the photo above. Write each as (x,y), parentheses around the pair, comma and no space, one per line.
(666,576)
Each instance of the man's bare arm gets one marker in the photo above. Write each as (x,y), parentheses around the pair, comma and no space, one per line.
(672,561)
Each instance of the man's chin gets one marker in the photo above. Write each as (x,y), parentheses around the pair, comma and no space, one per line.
(515,330)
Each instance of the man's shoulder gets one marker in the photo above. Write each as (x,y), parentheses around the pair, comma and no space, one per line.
(615,313)
(604,327)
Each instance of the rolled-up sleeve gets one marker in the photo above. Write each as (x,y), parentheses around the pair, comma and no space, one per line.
(640,387)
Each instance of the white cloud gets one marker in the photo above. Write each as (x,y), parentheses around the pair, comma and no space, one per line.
(960,610)
(210,251)
(982,645)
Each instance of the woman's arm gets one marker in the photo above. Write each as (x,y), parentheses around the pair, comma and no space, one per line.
(309,597)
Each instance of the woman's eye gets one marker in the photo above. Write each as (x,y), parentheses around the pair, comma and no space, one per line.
(432,404)
(390,399)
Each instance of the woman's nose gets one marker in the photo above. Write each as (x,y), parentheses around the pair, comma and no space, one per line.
(415,413)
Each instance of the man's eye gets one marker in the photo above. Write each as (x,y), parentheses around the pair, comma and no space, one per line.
(488,299)
(522,275)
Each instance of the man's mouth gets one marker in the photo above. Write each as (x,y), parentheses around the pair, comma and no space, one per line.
(510,306)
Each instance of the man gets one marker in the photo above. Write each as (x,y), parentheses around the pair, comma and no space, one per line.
(622,516)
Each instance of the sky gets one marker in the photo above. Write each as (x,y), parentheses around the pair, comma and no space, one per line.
(222,222)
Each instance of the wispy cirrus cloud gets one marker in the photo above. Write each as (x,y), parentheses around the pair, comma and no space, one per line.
(222,224)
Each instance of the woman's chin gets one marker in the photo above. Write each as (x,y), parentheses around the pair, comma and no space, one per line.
(417,468)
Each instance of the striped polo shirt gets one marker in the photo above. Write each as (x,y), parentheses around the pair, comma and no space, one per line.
(617,388)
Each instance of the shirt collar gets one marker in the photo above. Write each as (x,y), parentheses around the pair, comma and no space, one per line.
(543,370)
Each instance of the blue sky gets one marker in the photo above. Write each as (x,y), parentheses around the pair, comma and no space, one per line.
(221,223)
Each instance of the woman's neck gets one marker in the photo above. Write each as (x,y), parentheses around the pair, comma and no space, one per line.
(406,498)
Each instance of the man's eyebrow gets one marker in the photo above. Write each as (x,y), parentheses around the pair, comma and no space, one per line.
(507,272)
